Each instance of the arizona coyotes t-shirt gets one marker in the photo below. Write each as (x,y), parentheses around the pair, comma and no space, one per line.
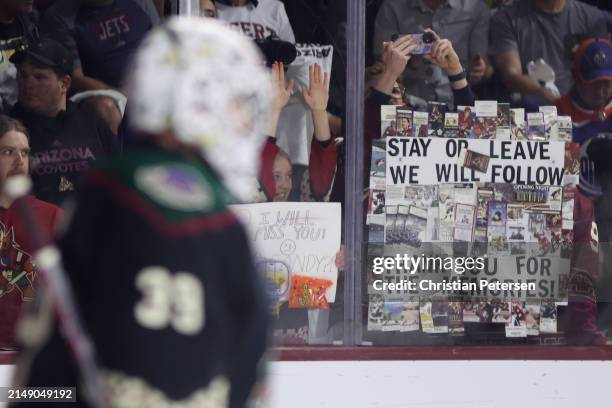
(63,148)
(268,18)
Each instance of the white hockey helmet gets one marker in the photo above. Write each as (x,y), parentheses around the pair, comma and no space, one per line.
(207,85)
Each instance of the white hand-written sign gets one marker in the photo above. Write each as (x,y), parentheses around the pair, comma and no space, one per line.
(305,236)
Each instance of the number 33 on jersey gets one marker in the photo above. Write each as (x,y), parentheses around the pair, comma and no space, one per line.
(170,300)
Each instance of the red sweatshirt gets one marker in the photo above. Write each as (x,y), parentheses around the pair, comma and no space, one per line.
(321,167)
(18,272)
(581,313)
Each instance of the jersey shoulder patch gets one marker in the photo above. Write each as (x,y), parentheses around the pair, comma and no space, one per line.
(176,187)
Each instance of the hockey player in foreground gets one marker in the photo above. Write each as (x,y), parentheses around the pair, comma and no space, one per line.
(161,270)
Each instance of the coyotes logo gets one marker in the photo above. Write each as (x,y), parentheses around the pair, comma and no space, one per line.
(65,184)
(17,271)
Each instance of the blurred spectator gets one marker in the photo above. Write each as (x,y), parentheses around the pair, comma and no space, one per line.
(324,22)
(372,7)
(381,91)
(599,152)
(586,103)
(276,169)
(257,19)
(579,321)
(499,3)
(547,30)
(317,21)
(589,103)
(42,5)
(16,30)
(601,4)
(101,35)
(160,6)
(383,88)
(208,8)
(64,140)
(398,92)
(466,22)
(19,273)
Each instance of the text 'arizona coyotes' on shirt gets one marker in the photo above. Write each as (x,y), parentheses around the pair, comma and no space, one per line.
(258,22)
(63,148)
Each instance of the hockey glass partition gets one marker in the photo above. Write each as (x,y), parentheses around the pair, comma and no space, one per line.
(473,241)
(463,225)
(479,228)
(294,221)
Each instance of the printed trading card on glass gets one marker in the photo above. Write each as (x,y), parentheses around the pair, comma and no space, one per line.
(536,128)
(476,161)
(517,327)
(497,214)
(409,317)
(464,222)
(503,122)
(436,112)
(455,318)
(420,124)
(451,125)
(532,318)
(466,121)
(375,312)
(548,317)
(518,130)
(486,108)
(387,120)
(427,324)
(485,128)
(404,122)
(564,124)
(392,316)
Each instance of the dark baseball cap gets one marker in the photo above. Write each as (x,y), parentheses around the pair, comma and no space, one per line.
(593,60)
(599,152)
(46,52)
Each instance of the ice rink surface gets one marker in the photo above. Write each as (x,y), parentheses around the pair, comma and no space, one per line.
(436,384)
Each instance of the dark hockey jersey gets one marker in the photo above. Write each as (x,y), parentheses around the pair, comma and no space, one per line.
(164,279)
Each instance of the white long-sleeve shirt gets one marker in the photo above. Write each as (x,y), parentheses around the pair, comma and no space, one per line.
(269,17)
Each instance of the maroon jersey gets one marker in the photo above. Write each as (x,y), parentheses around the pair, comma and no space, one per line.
(17,269)
(585,269)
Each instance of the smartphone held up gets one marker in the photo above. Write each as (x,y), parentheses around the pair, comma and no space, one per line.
(424,42)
